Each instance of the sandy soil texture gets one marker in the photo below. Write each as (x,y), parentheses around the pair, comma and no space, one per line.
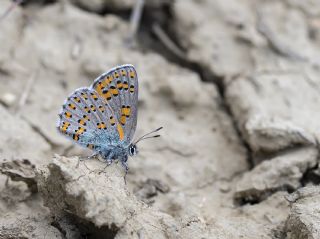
(235,84)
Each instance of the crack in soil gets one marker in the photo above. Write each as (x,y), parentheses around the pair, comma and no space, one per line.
(206,75)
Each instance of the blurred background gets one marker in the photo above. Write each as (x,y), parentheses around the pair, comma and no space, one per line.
(235,84)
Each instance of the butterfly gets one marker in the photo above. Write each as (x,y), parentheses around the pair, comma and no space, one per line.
(103,117)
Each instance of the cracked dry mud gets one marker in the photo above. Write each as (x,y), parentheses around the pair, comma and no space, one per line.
(238,156)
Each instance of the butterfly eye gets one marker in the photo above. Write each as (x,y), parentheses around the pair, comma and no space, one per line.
(133,150)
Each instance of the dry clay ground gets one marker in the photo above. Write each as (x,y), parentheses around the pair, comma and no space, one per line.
(238,156)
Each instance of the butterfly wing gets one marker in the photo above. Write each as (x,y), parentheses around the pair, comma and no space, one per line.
(88,120)
(119,88)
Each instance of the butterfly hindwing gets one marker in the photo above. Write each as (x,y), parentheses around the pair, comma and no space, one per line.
(84,115)
(119,88)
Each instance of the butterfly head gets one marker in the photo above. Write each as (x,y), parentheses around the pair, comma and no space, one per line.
(133,150)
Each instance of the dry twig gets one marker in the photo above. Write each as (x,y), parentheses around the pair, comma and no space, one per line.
(25,94)
(10,9)
(135,19)
(163,37)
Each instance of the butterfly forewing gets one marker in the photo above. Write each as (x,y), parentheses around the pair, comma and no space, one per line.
(119,89)
(85,114)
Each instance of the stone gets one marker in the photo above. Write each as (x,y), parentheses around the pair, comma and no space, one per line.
(281,173)
(304,218)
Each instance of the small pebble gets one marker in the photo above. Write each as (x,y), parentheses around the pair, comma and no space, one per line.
(8,99)
(224,186)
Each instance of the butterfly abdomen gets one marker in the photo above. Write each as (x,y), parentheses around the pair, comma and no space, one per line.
(113,152)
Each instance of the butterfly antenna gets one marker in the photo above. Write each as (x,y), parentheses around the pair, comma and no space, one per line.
(146,136)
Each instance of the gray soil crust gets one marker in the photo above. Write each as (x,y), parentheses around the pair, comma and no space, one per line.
(235,84)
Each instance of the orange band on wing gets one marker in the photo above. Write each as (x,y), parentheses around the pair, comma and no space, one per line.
(120,131)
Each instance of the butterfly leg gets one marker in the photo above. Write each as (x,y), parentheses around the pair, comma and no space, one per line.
(108,163)
(125,165)
(79,160)
(93,155)
(108,157)
(89,157)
